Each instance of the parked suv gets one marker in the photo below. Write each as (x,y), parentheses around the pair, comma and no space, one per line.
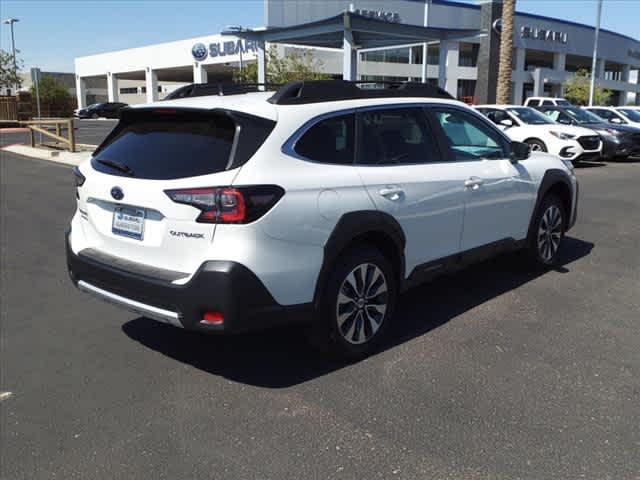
(315,205)
(544,101)
(527,125)
(618,140)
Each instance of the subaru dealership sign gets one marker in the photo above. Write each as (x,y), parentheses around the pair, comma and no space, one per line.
(200,51)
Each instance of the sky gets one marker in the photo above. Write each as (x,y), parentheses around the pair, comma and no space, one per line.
(51,33)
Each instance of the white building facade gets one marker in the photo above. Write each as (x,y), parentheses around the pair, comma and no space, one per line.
(547,52)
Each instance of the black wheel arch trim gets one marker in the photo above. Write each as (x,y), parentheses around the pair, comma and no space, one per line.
(360,224)
(550,179)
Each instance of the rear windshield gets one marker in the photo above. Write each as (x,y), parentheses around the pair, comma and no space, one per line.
(168,147)
(169,144)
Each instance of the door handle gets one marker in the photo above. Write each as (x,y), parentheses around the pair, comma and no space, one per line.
(473,182)
(391,193)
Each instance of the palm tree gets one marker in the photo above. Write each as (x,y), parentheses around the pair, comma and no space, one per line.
(503,94)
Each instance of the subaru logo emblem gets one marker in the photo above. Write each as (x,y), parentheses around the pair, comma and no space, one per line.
(199,51)
(117,193)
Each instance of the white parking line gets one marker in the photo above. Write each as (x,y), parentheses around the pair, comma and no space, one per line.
(5,395)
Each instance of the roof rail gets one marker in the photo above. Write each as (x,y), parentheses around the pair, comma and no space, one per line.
(315,91)
(206,89)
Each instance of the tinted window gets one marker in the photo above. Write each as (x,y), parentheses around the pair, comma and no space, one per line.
(497,116)
(632,115)
(547,102)
(329,141)
(533,103)
(607,114)
(529,116)
(563,103)
(396,136)
(174,146)
(469,137)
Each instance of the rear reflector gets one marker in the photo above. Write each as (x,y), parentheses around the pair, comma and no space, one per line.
(212,318)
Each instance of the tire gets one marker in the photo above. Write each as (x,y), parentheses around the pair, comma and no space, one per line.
(350,323)
(95,115)
(537,145)
(547,232)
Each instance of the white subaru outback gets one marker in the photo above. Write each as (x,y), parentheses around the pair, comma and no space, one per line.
(317,205)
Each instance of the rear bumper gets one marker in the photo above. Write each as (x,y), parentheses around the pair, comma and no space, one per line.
(221,286)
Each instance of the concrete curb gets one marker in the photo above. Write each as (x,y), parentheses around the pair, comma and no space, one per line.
(66,158)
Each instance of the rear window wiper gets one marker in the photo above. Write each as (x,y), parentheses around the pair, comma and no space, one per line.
(118,166)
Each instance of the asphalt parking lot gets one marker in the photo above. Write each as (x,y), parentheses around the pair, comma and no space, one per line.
(494,373)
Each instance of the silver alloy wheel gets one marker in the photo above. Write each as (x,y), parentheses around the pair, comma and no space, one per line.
(535,147)
(362,303)
(549,233)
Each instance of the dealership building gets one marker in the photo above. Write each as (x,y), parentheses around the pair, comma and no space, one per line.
(452,44)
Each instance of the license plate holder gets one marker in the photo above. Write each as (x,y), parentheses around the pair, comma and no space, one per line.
(128,222)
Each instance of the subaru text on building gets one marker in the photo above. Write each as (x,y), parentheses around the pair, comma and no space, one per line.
(315,205)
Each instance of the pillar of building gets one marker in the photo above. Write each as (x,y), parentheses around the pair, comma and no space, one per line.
(112,87)
(262,64)
(425,62)
(538,83)
(600,64)
(489,53)
(559,61)
(453,57)
(518,84)
(442,63)
(81,92)
(151,83)
(349,57)
(199,73)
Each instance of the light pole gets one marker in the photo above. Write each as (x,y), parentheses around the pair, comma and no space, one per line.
(11,21)
(237,28)
(592,87)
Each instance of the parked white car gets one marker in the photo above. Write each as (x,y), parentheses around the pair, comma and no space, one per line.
(525,124)
(617,115)
(547,101)
(317,204)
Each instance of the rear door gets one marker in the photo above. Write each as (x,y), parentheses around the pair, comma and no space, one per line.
(125,210)
(406,175)
(498,195)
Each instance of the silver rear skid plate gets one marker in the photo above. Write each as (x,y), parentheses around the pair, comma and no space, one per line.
(160,314)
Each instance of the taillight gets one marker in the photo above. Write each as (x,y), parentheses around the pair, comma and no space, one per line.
(229,204)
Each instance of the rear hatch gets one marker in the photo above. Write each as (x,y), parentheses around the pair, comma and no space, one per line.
(125,201)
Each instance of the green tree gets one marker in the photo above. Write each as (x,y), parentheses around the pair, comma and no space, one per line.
(298,65)
(576,90)
(54,97)
(9,76)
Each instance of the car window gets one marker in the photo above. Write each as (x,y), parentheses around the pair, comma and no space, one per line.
(176,145)
(396,136)
(563,103)
(607,114)
(632,115)
(533,103)
(497,116)
(552,114)
(329,141)
(469,137)
(547,102)
(529,116)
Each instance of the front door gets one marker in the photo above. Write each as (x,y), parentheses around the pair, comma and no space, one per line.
(499,196)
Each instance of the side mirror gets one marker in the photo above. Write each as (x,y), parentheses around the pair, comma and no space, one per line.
(506,123)
(616,120)
(564,121)
(519,151)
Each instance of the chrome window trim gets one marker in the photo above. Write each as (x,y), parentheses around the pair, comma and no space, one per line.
(288,148)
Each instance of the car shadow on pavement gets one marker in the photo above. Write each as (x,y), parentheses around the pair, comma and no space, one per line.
(581,165)
(282,358)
